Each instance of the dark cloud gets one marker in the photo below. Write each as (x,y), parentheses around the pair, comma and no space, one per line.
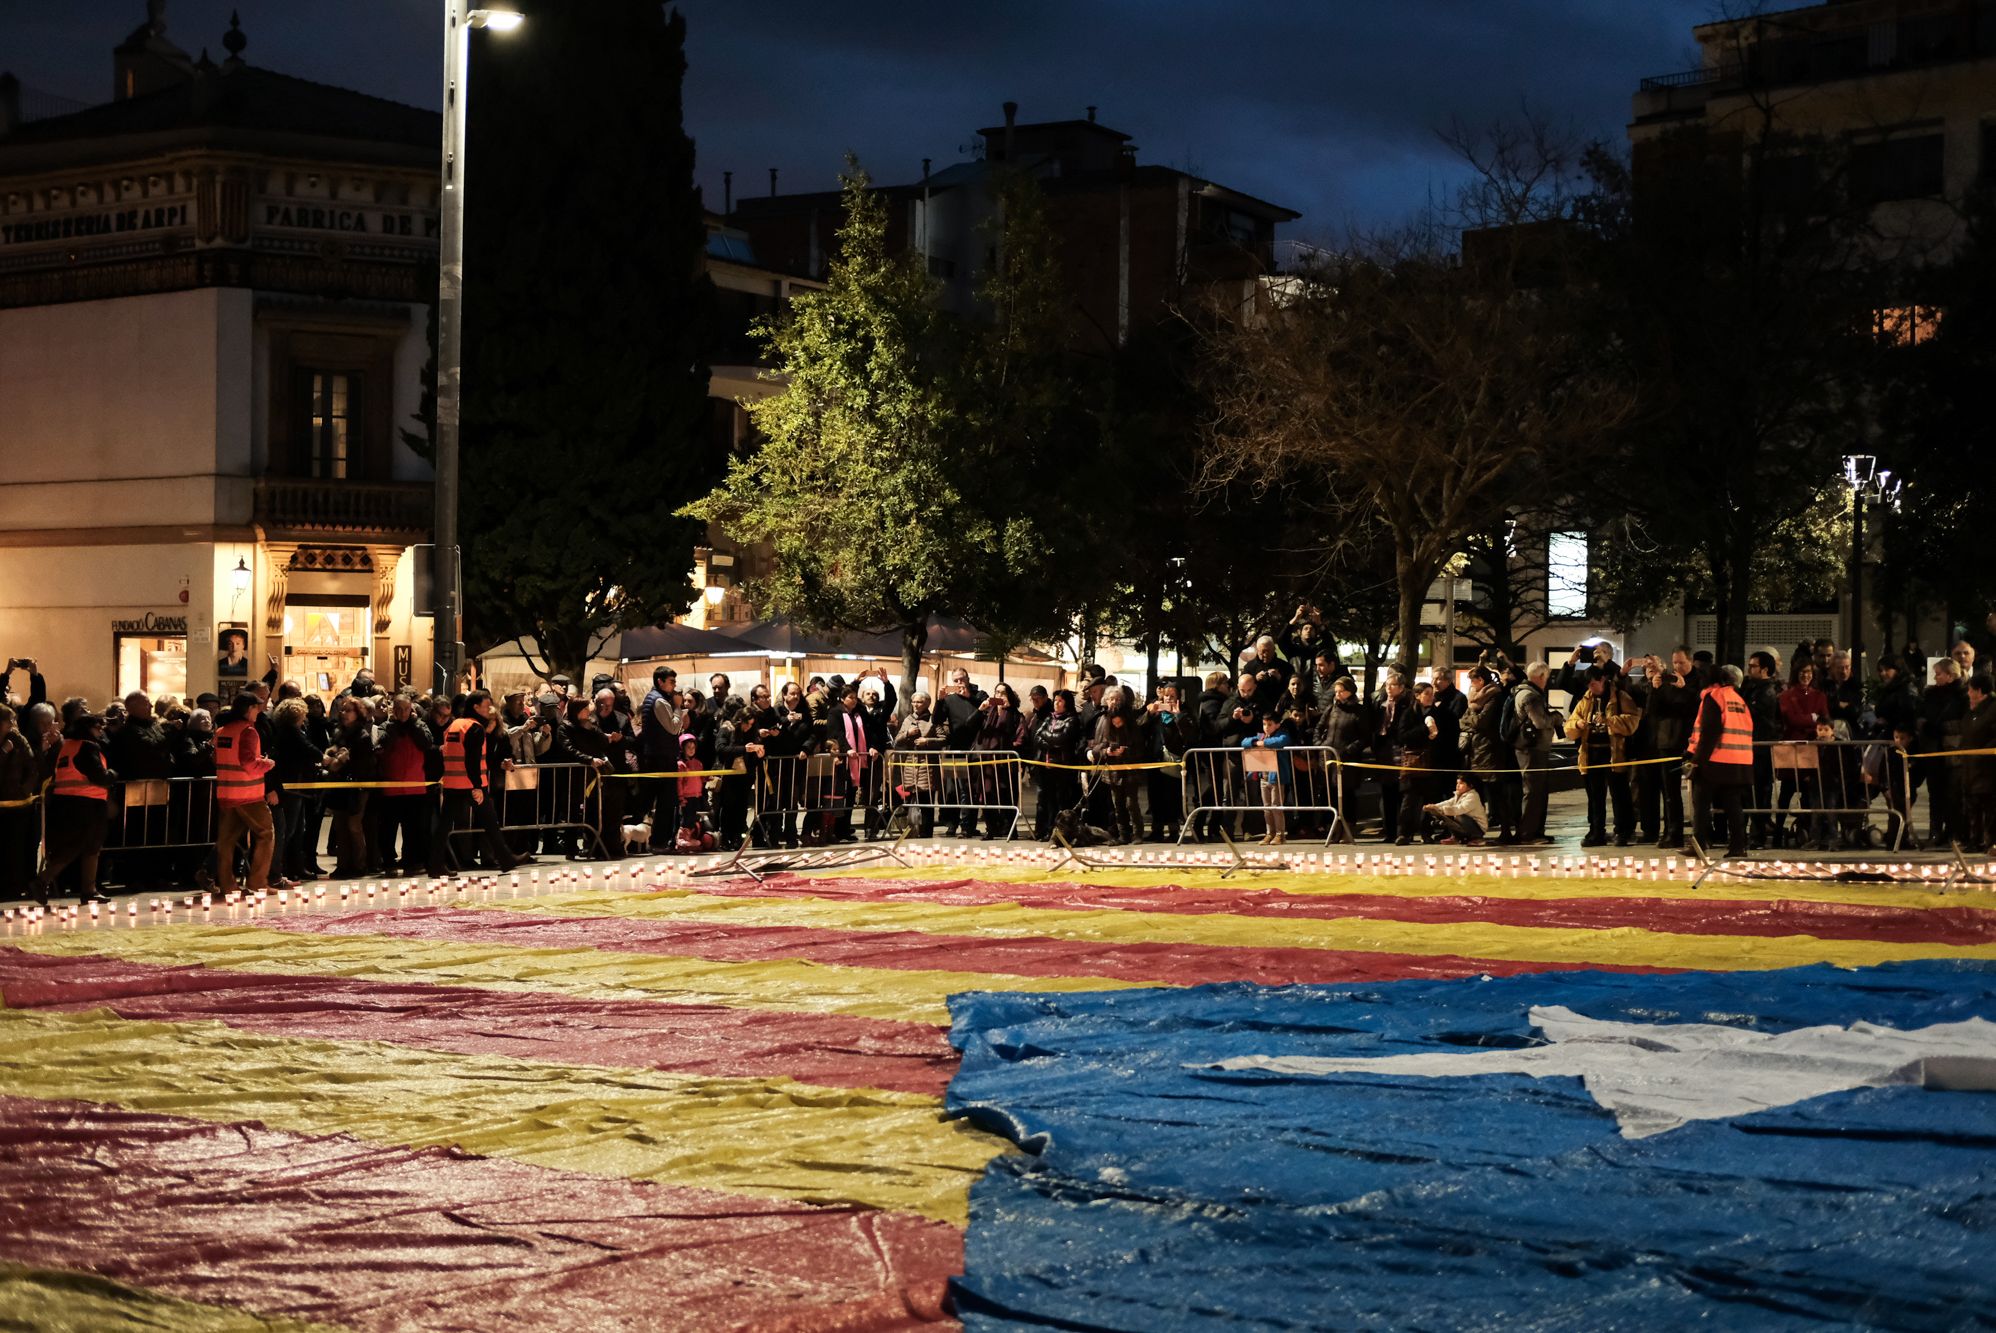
(1329,106)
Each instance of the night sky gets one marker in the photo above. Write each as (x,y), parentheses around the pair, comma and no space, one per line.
(1330,107)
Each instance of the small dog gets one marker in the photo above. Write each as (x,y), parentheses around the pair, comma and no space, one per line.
(637,839)
(1079,833)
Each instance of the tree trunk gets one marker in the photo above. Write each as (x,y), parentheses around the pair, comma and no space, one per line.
(1731,579)
(1412,585)
(914,637)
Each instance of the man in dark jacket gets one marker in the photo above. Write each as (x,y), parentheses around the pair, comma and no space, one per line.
(143,758)
(1759,690)
(957,711)
(1943,711)
(1532,745)
(1898,706)
(1215,776)
(1668,716)
(1975,775)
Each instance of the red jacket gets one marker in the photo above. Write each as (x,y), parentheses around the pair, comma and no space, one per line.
(401,759)
(1800,706)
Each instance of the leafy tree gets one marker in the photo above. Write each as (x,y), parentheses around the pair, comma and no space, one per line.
(588,319)
(860,484)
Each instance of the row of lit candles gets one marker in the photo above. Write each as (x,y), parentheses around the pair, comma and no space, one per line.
(662,873)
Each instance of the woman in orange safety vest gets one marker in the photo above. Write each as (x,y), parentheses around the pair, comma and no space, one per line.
(79,804)
(1719,760)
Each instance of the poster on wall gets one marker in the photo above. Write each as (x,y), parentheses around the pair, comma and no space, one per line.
(232,659)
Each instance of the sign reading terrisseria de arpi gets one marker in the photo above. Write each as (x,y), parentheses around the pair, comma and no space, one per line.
(102,222)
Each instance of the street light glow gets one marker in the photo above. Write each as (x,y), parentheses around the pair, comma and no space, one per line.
(499,20)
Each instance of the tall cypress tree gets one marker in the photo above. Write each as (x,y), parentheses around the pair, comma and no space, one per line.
(588,323)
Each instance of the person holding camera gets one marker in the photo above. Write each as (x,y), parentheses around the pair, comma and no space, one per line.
(38,688)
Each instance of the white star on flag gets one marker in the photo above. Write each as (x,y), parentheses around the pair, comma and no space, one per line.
(1656,1076)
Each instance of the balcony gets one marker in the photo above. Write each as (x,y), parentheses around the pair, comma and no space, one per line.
(293,504)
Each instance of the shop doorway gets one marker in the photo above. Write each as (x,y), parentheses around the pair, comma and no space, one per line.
(152,664)
(326,640)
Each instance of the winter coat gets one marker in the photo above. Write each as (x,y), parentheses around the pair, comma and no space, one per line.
(1112,744)
(1528,701)
(1620,717)
(1978,732)
(1942,709)
(1487,751)
(1346,727)
(1800,706)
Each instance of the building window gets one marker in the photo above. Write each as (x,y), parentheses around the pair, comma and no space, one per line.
(1906,325)
(1566,574)
(333,405)
(1884,169)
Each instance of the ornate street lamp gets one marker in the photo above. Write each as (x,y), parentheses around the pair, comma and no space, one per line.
(1869,485)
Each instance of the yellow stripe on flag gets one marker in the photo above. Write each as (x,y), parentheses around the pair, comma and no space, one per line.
(596,974)
(55,1301)
(768,1137)
(1629,946)
(1451,886)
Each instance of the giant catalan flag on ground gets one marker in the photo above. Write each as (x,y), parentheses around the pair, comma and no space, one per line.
(1143,1100)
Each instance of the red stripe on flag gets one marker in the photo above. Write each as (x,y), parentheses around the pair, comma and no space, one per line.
(327,1228)
(1678,916)
(1026,956)
(828,1049)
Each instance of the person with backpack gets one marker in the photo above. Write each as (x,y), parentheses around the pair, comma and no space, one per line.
(1528,728)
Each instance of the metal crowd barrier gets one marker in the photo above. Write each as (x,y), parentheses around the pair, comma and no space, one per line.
(963,784)
(823,790)
(550,798)
(149,814)
(1229,781)
(1835,780)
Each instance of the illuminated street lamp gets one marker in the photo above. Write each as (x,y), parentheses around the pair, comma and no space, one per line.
(1869,485)
(444,578)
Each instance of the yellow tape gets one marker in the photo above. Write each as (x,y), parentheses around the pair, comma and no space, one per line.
(601,974)
(36,799)
(774,1138)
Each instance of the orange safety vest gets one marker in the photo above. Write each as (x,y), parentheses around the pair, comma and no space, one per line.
(457,773)
(234,784)
(1736,727)
(69,779)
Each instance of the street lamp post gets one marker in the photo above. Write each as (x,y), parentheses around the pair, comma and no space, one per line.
(445,577)
(1869,484)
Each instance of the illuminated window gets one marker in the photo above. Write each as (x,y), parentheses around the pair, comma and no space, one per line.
(1566,574)
(332,414)
(1906,325)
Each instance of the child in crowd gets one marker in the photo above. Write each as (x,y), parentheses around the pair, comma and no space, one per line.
(1462,816)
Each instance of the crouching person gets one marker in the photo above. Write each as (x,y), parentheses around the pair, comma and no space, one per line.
(1462,816)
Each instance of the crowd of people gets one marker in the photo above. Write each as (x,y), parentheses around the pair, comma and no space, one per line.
(386,783)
